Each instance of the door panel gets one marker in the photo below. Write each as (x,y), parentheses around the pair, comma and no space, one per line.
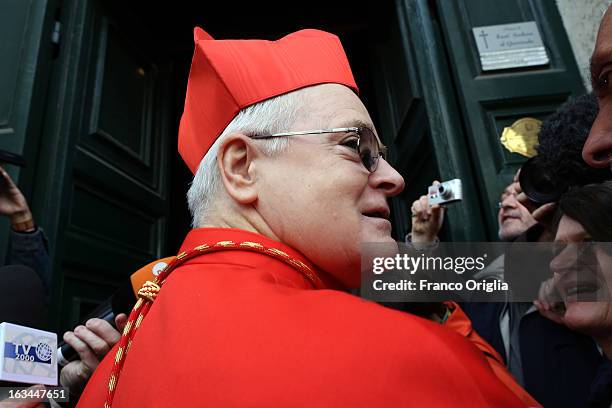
(114,193)
(121,101)
(420,118)
(402,121)
(87,296)
(492,100)
(25,46)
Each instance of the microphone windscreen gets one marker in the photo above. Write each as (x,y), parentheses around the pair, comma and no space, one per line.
(122,301)
(148,273)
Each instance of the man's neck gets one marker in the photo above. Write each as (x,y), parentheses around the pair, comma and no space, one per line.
(247,222)
(251,221)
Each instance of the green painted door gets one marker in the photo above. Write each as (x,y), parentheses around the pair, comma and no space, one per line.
(26,28)
(103,180)
(443,116)
(420,118)
(492,100)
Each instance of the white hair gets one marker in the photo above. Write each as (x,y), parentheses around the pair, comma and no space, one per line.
(273,115)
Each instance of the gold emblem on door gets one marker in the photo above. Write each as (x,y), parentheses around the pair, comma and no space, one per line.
(522,136)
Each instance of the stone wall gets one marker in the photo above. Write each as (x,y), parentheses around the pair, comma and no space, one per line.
(581,20)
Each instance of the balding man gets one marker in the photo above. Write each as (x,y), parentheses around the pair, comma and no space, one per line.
(290,178)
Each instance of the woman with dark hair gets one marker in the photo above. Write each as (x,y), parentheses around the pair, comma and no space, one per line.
(580,293)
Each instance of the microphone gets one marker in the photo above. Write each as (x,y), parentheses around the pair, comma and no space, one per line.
(122,301)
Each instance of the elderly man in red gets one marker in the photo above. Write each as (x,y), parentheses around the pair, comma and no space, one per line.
(290,178)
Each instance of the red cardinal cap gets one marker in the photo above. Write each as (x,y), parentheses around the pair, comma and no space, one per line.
(229,75)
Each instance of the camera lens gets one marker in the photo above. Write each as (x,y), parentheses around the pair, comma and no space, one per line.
(444,192)
(539,183)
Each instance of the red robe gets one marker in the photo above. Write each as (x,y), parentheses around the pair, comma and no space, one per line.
(461,324)
(239,328)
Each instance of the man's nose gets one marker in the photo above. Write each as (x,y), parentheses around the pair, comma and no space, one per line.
(565,260)
(597,151)
(386,178)
(509,201)
(559,265)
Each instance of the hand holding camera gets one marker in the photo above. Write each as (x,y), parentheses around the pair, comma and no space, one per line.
(445,193)
(537,193)
(428,211)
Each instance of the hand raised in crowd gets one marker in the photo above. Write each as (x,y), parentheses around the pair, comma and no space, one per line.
(426,221)
(92,342)
(550,303)
(541,213)
(12,202)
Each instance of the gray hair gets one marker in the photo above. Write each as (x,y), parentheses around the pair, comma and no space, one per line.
(273,115)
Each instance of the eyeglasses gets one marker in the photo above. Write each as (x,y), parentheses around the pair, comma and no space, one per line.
(368,147)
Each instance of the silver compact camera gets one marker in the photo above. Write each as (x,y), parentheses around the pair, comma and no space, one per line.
(445,193)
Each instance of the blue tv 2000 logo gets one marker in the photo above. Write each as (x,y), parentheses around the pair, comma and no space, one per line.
(41,353)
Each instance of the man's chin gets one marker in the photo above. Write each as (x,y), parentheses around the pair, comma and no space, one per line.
(377,237)
(510,233)
(587,317)
(376,230)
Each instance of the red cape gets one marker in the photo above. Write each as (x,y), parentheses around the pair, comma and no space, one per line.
(238,328)
(461,324)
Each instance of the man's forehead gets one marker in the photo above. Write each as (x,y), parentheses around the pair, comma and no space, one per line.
(335,106)
(331,99)
(604,35)
(603,47)
(573,229)
(355,122)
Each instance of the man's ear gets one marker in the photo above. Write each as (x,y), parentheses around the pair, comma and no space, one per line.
(235,160)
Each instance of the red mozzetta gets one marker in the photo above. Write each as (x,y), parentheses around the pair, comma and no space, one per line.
(241,328)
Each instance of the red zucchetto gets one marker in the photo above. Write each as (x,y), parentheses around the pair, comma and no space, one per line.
(229,75)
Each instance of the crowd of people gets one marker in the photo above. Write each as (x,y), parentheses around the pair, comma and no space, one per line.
(289,178)
(558,363)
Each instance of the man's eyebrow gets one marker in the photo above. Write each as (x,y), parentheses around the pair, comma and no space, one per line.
(356,123)
(595,67)
(360,123)
(598,60)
